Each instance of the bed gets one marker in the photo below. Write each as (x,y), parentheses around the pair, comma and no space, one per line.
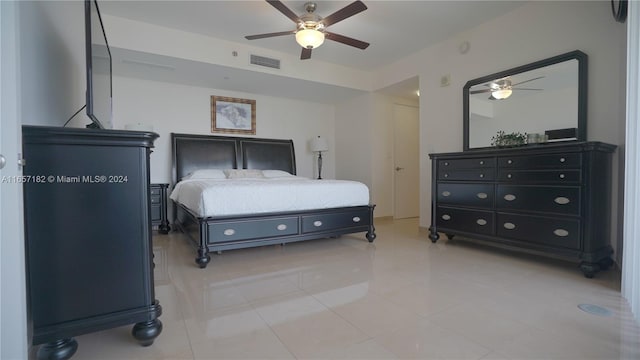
(216,233)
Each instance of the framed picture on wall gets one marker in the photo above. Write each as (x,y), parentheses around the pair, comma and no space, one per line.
(233,115)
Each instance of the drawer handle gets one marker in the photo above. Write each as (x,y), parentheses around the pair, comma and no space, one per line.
(446,163)
(561,176)
(509,197)
(509,176)
(509,162)
(356,219)
(317,223)
(481,162)
(481,175)
(229,232)
(446,175)
(481,222)
(446,193)
(446,217)
(560,232)
(281,227)
(562,160)
(562,200)
(509,226)
(482,195)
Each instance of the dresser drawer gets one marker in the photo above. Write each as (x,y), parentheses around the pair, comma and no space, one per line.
(570,160)
(474,163)
(156,214)
(562,233)
(476,195)
(552,199)
(474,221)
(328,222)
(239,230)
(155,199)
(155,190)
(467,175)
(539,176)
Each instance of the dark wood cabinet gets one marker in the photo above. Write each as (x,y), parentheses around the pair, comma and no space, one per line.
(551,199)
(88,235)
(159,207)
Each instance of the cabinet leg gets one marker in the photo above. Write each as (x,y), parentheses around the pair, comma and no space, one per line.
(58,350)
(164,227)
(146,332)
(433,235)
(450,236)
(589,269)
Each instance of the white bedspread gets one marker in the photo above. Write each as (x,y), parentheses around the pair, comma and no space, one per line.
(218,197)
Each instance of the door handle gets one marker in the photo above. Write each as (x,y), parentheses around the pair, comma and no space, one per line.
(398,168)
(3,161)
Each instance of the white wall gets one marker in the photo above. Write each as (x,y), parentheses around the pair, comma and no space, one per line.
(534,31)
(13,305)
(187,109)
(52,57)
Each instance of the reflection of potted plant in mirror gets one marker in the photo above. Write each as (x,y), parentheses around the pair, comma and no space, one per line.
(511,139)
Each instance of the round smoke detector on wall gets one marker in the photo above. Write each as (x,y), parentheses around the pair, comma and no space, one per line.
(464,46)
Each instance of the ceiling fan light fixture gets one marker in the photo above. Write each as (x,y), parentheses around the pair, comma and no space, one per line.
(501,94)
(309,38)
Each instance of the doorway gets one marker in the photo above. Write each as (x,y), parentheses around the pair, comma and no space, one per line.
(406,161)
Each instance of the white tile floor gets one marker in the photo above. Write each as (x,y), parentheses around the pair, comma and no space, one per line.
(400,297)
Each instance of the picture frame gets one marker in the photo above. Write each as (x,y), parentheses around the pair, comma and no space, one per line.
(233,115)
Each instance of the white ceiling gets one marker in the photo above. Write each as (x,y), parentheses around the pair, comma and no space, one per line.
(394,29)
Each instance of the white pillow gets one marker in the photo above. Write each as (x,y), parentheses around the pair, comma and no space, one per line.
(206,174)
(243,174)
(275,173)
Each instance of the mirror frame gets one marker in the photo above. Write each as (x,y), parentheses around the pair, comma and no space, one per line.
(582,90)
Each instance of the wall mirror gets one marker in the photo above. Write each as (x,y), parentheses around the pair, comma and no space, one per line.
(547,96)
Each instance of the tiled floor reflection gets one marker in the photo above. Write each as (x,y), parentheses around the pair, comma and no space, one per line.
(400,297)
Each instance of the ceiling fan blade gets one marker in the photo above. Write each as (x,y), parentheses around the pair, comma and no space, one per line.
(262,36)
(284,10)
(346,40)
(481,91)
(306,54)
(522,82)
(347,11)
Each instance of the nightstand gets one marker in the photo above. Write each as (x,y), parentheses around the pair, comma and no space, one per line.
(159,207)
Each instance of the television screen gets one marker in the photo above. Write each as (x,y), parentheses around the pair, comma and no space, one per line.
(98,58)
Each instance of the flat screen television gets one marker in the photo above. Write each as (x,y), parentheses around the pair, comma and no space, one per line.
(98,69)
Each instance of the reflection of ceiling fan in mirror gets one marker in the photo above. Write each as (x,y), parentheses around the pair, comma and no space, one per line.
(311,29)
(503,88)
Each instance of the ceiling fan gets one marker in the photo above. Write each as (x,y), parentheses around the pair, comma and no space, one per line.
(310,28)
(503,88)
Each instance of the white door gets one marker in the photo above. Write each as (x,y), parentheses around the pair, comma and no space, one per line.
(13,318)
(406,161)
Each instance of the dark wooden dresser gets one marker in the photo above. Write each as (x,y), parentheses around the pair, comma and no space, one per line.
(551,199)
(88,235)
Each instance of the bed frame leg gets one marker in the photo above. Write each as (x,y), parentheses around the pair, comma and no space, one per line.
(203,258)
(371,234)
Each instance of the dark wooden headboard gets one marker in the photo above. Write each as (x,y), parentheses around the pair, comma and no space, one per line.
(192,152)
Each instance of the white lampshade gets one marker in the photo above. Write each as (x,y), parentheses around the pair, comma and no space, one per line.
(309,38)
(318,144)
(501,94)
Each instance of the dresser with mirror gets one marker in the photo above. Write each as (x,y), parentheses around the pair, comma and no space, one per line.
(548,194)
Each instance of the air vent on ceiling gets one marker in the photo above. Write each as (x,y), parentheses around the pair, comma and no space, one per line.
(265,61)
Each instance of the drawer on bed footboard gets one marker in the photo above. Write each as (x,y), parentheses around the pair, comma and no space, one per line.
(252,229)
(341,220)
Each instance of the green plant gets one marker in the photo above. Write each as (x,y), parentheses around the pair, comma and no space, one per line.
(511,139)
